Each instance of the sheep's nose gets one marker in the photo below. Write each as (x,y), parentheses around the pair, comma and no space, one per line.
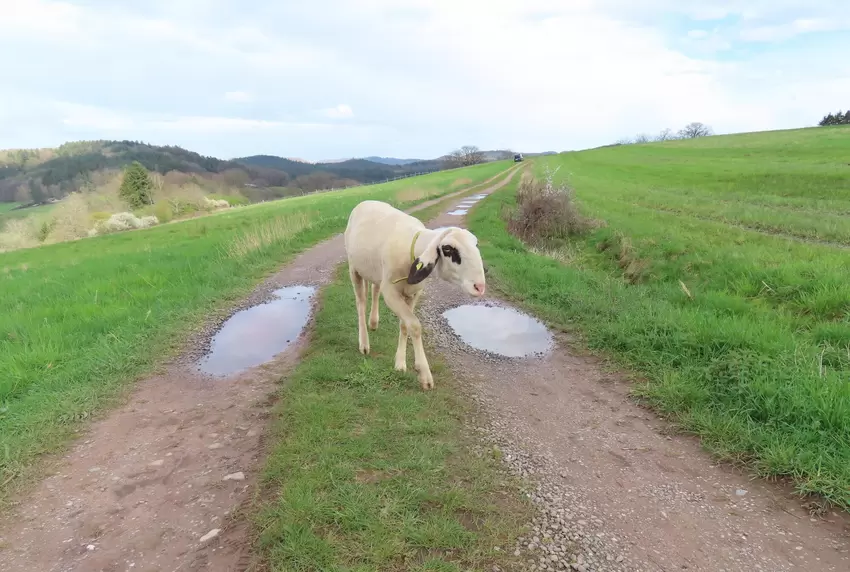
(479,287)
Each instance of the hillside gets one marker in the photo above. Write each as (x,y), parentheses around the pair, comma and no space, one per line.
(391,160)
(716,270)
(36,175)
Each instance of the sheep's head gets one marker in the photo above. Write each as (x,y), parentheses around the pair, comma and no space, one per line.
(455,256)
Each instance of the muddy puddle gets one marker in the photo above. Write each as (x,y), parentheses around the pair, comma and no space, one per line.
(458,212)
(499,330)
(255,335)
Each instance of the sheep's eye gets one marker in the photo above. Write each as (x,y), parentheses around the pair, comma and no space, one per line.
(451,252)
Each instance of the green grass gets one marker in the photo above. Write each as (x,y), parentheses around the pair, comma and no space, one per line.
(755,357)
(5,207)
(7,214)
(79,320)
(367,472)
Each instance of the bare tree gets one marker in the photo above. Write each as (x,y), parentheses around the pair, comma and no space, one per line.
(472,155)
(641,138)
(665,135)
(464,157)
(694,130)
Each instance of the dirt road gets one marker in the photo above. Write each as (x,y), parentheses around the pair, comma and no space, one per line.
(157,484)
(175,464)
(616,492)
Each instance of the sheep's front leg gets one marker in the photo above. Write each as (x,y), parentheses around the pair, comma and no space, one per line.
(404,310)
(359,285)
(373,316)
(401,350)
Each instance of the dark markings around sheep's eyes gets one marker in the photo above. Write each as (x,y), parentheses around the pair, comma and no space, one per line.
(452,253)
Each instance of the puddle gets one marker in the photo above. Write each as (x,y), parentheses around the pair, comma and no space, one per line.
(458,212)
(479,197)
(499,330)
(255,335)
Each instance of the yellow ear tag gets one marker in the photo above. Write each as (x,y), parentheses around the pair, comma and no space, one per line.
(419,266)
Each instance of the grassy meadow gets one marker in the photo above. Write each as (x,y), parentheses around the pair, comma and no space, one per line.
(720,274)
(80,320)
(8,213)
(367,472)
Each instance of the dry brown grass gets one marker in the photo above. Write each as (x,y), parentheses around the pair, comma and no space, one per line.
(415,194)
(19,233)
(545,211)
(462,182)
(272,232)
(634,268)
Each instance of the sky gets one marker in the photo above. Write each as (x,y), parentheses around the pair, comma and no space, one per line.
(328,79)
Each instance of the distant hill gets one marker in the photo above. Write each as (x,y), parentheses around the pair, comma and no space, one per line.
(391,160)
(35,175)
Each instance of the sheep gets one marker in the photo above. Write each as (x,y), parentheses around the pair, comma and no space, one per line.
(395,252)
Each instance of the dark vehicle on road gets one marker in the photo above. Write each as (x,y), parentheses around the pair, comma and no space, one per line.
(517,157)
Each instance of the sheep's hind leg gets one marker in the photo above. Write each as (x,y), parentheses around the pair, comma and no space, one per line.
(359,285)
(373,316)
(404,310)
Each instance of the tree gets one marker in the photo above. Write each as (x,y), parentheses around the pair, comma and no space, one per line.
(464,157)
(23,195)
(694,130)
(666,135)
(641,138)
(136,187)
(840,118)
(37,192)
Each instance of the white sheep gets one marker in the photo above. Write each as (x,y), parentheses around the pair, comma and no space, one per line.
(396,252)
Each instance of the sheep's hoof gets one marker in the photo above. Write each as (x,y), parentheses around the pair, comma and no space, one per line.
(400,366)
(364,350)
(373,325)
(427,382)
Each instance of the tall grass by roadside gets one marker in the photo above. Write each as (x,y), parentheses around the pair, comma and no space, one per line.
(79,320)
(367,472)
(741,337)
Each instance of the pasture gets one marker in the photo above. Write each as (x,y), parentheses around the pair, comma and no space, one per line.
(719,276)
(81,320)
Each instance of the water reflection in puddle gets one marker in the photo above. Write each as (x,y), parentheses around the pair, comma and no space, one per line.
(255,335)
(458,212)
(499,330)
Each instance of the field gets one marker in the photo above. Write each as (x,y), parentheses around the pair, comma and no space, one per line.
(5,207)
(720,276)
(80,320)
(7,213)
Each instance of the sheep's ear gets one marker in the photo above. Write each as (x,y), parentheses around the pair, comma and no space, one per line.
(419,271)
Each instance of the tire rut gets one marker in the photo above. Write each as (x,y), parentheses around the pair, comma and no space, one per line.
(614,489)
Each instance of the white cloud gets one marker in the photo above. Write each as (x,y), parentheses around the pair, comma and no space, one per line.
(238,96)
(779,32)
(425,75)
(341,111)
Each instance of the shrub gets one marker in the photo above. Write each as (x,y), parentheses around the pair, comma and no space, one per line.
(163,211)
(232,200)
(19,233)
(123,221)
(212,204)
(545,211)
